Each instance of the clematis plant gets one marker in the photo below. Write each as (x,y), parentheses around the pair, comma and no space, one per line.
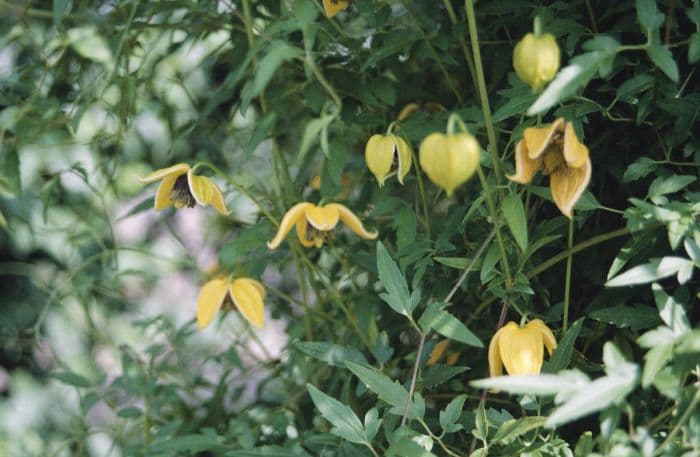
(385,152)
(315,224)
(244,294)
(556,151)
(536,58)
(179,186)
(520,349)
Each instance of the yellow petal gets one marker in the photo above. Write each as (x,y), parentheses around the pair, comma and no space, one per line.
(175,170)
(404,155)
(323,218)
(353,222)
(575,152)
(438,352)
(333,7)
(547,336)
(217,200)
(163,193)
(449,160)
(302,226)
(205,192)
(521,350)
(568,185)
(525,167)
(538,138)
(495,362)
(379,155)
(211,297)
(288,221)
(407,111)
(246,295)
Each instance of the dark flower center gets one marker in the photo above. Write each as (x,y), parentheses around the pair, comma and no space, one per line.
(553,157)
(181,195)
(312,233)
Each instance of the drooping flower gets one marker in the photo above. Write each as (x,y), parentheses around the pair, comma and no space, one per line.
(449,160)
(333,7)
(315,224)
(244,294)
(182,188)
(556,151)
(520,350)
(536,59)
(384,152)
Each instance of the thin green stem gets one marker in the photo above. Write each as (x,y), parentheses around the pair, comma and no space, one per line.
(301,278)
(414,376)
(684,418)
(463,44)
(423,197)
(483,96)
(496,224)
(567,282)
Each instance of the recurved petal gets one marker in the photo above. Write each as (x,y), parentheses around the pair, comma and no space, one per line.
(575,152)
(407,110)
(538,138)
(521,350)
(438,352)
(568,185)
(163,193)
(353,222)
(550,342)
(206,192)
(246,295)
(379,155)
(175,170)
(333,7)
(323,218)
(495,362)
(211,297)
(525,167)
(288,221)
(404,155)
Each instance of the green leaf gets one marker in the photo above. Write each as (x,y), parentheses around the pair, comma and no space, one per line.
(654,361)
(637,318)
(60,8)
(481,422)
(311,136)
(639,169)
(345,423)
(570,78)
(671,312)
(394,282)
(670,185)
(649,16)
(278,52)
(694,48)
(387,390)
(562,354)
(10,181)
(192,443)
(330,353)
(269,451)
(89,44)
(452,413)
(650,272)
(372,423)
(72,379)
(543,384)
(516,427)
(447,325)
(437,374)
(514,213)
(459,263)
(663,59)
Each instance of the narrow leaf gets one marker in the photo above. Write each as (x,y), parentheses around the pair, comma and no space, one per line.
(345,423)
(515,218)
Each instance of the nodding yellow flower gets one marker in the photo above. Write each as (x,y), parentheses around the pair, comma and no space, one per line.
(333,7)
(182,188)
(245,294)
(556,151)
(536,59)
(384,152)
(449,160)
(520,349)
(315,224)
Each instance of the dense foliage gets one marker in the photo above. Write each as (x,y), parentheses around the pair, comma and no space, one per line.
(184,331)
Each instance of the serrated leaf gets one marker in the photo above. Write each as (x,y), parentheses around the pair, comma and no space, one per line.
(562,354)
(345,422)
(514,213)
(330,353)
(387,390)
(670,185)
(452,413)
(663,59)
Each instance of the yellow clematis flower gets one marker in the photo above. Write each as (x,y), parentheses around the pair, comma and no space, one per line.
(333,7)
(449,160)
(182,188)
(383,152)
(556,151)
(536,59)
(315,224)
(520,349)
(245,294)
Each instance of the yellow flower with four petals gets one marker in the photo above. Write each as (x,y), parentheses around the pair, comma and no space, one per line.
(314,224)
(244,294)
(179,186)
(556,151)
(520,350)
